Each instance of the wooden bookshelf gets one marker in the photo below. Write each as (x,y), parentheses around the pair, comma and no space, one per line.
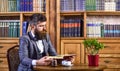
(8,42)
(65,45)
(108,56)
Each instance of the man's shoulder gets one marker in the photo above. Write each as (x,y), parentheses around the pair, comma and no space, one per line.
(25,37)
(47,37)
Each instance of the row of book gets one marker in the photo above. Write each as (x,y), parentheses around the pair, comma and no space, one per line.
(103,30)
(22,5)
(103,26)
(89,5)
(96,26)
(71,27)
(9,28)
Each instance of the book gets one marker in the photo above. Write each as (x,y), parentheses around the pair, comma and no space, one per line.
(62,56)
(24,27)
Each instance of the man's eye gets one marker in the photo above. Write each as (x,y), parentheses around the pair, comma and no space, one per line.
(42,26)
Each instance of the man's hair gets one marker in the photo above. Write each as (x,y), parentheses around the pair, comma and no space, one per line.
(35,18)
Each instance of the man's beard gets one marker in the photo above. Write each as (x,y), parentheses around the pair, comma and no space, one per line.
(40,34)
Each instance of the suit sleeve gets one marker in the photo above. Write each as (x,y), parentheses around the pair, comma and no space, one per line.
(51,49)
(23,52)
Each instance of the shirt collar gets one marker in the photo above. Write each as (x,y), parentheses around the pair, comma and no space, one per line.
(32,34)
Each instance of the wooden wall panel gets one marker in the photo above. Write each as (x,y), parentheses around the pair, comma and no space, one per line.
(71,47)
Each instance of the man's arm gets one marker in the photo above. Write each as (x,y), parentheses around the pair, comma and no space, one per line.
(23,52)
(24,57)
(51,49)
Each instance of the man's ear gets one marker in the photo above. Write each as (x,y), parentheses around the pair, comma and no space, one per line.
(32,26)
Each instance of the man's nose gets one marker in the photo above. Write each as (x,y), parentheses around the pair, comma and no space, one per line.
(44,28)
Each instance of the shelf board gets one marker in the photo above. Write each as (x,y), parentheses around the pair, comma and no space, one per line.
(105,38)
(103,12)
(71,13)
(72,38)
(30,13)
(18,13)
(9,13)
(90,13)
(100,38)
(9,38)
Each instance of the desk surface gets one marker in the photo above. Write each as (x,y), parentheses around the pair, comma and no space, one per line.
(81,67)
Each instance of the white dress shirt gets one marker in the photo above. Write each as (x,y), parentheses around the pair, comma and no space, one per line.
(40,47)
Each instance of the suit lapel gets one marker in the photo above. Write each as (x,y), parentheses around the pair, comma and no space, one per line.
(45,46)
(36,48)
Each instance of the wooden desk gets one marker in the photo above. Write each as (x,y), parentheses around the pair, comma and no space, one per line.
(72,68)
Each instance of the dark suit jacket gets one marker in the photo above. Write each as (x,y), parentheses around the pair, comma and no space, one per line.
(28,51)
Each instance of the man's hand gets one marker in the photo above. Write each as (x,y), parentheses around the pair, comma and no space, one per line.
(44,61)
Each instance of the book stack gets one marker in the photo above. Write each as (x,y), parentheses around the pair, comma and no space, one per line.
(9,28)
(71,27)
(89,5)
(22,5)
(103,26)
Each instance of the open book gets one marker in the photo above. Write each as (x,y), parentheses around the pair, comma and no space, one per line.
(61,56)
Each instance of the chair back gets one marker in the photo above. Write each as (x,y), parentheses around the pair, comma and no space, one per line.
(13,58)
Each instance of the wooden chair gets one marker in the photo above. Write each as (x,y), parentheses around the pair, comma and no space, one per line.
(13,58)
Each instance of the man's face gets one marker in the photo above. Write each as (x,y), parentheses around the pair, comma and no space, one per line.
(41,26)
(40,30)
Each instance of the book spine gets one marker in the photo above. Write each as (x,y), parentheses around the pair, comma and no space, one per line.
(18,29)
(2,29)
(24,28)
(18,5)
(31,5)
(62,28)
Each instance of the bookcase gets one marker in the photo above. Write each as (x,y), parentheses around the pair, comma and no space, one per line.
(68,42)
(100,21)
(12,15)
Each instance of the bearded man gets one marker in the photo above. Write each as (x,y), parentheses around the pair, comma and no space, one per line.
(35,46)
